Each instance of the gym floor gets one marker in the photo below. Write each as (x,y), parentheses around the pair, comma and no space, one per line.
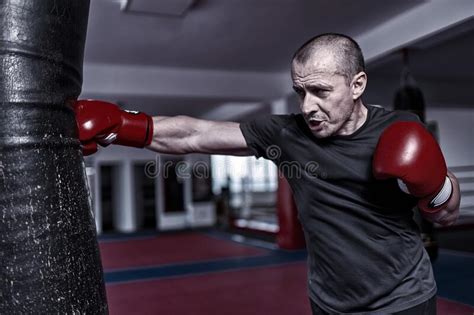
(214,272)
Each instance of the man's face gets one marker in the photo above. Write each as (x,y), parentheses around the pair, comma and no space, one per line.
(326,99)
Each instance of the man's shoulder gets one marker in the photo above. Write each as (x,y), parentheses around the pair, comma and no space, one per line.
(262,132)
(282,118)
(276,121)
(379,112)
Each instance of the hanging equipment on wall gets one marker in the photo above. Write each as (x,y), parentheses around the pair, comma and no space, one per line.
(409,96)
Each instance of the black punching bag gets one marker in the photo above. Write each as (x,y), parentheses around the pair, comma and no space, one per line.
(409,96)
(49,258)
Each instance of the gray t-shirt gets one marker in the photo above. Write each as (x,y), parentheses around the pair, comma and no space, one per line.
(365,254)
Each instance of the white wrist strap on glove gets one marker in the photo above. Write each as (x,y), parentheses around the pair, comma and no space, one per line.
(442,196)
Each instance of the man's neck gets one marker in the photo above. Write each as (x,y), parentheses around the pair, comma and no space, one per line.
(355,121)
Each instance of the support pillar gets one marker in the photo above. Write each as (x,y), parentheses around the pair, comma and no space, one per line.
(125,219)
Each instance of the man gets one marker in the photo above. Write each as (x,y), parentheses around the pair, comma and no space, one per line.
(370,168)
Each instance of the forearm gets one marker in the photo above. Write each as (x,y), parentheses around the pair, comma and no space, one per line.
(184,134)
(173,135)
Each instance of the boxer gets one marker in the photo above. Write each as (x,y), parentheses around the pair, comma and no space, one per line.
(365,254)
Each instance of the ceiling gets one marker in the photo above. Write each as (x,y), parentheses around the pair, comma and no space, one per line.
(447,55)
(242,35)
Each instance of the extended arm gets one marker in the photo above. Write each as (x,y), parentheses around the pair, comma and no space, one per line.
(105,123)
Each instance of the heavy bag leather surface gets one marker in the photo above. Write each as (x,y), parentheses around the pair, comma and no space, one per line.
(49,258)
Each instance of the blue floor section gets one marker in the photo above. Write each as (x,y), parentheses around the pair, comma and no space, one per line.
(176,270)
(454,271)
(115,237)
(273,257)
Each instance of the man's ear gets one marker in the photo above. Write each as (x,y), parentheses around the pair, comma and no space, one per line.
(359,82)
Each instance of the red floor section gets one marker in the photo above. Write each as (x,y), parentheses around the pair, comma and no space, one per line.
(274,290)
(169,249)
(277,290)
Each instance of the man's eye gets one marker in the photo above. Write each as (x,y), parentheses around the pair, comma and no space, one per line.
(300,93)
(320,92)
(323,93)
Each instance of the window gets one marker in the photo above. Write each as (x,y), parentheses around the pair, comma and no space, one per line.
(236,171)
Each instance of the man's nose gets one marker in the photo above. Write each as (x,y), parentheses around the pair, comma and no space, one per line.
(309,104)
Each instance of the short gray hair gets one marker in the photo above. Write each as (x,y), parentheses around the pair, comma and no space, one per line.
(347,53)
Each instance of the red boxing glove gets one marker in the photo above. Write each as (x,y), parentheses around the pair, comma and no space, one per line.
(104,123)
(408,152)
